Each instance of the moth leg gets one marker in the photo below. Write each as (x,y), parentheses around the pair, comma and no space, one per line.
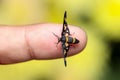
(72,34)
(72,46)
(58,38)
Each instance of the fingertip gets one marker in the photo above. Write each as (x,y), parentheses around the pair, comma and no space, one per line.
(43,43)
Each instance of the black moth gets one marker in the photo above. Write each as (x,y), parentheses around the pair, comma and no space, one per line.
(65,38)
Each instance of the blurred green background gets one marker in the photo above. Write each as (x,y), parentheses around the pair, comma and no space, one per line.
(99,18)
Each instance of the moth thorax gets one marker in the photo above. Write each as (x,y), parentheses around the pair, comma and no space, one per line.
(63,39)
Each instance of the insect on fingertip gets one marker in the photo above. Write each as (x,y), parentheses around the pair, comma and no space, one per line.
(65,39)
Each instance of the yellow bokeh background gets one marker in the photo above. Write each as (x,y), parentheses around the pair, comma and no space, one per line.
(99,18)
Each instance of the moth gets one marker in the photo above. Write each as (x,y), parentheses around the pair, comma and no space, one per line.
(66,39)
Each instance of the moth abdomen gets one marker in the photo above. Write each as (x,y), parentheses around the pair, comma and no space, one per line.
(72,40)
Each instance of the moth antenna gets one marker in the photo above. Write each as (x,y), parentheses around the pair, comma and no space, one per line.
(55,35)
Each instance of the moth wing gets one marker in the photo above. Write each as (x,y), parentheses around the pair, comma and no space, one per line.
(65,49)
(65,26)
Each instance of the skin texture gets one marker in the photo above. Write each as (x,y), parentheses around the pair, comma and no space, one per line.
(24,43)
